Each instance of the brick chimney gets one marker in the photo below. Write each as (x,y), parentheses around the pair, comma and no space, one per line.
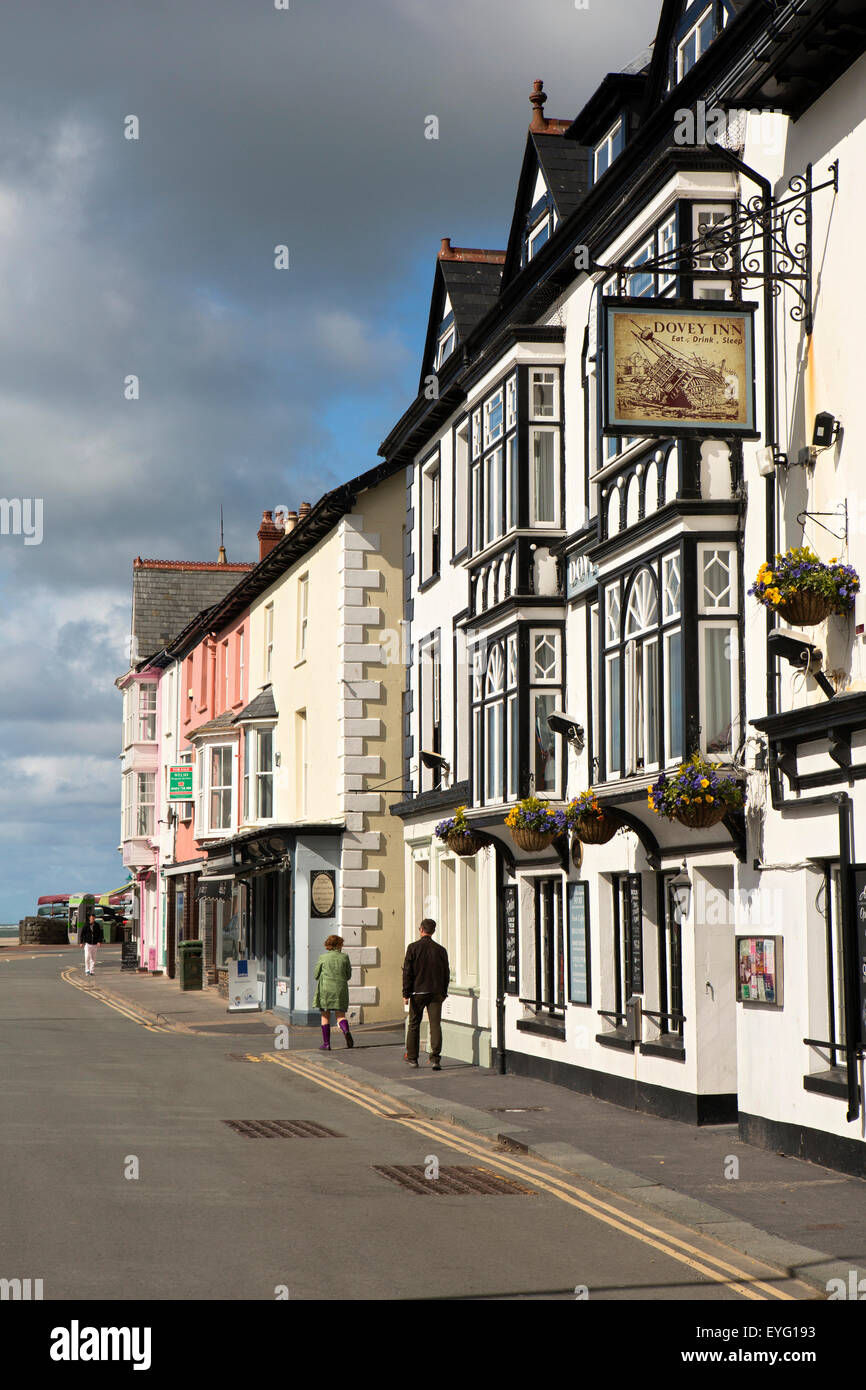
(268,534)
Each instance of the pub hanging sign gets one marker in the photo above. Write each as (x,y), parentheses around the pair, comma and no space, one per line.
(679,368)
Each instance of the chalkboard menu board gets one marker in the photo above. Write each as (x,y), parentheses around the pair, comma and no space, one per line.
(634,929)
(509,897)
(859,875)
(128,952)
(578,943)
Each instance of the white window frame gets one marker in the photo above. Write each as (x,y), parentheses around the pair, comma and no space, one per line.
(612,772)
(694,33)
(269,640)
(253,776)
(227,703)
(730,627)
(494,401)
(203,788)
(431,515)
(667,635)
(534,373)
(671,608)
(303,614)
(536,694)
(446,345)
(606,144)
(145,713)
(546,634)
(706,548)
(145,805)
(533,245)
(511,402)
(667,242)
(555,524)
(647,253)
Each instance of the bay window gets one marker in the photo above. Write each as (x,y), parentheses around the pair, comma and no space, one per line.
(145,800)
(146,722)
(258,787)
(214,792)
(494,720)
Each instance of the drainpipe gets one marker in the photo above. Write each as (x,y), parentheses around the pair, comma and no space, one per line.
(850,955)
(500,960)
(769,385)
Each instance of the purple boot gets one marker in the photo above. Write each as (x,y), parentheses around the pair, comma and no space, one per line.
(326,1038)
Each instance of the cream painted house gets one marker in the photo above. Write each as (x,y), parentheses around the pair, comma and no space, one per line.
(317,851)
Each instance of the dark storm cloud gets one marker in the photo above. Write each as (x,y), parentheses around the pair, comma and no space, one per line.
(156,257)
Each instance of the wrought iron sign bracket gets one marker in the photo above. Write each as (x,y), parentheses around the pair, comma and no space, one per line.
(733,249)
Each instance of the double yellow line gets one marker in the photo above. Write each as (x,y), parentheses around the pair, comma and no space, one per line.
(119,1005)
(713,1267)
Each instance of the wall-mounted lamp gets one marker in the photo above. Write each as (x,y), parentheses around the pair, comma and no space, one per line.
(561,723)
(680,889)
(825,430)
(802,654)
(435,762)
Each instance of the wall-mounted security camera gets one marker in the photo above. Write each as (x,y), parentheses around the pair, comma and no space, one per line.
(568,727)
(802,654)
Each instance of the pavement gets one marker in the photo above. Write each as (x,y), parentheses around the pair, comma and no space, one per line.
(807,1220)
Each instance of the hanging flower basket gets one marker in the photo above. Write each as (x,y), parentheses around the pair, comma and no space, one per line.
(805,609)
(597,830)
(464,843)
(701,817)
(590,822)
(535,824)
(531,840)
(803,589)
(458,835)
(699,794)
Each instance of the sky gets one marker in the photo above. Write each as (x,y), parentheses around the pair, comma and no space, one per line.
(154,257)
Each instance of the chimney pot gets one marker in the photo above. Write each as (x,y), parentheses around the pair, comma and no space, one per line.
(445,248)
(303,510)
(537,100)
(291,521)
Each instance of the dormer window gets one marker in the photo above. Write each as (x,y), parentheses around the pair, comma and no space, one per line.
(537,237)
(695,43)
(447,340)
(608,149)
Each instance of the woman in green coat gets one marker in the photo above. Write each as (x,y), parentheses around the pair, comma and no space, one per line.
(333,972)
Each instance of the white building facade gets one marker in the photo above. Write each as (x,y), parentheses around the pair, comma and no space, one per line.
(555,565)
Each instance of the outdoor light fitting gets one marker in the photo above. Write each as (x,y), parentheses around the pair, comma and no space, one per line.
(435,762)
(681,892)
(802,654)
(769,459)
(566,725)
(825,430)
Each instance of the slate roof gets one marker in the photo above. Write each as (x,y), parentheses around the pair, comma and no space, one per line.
(565,166)
(473,287)
(168,594)
(260,707)
(224,723)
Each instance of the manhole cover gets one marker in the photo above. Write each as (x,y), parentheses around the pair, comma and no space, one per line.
(281,1129)
(453,1182)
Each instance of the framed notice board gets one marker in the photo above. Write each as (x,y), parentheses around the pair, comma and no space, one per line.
(634,933)
(510,943)
(579,981)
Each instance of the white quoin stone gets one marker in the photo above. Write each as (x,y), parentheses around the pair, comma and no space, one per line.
(363,955)
(363,994)
(362,878)
(360,916)
(364,728)
(357,540)
(351,560)
(352,859)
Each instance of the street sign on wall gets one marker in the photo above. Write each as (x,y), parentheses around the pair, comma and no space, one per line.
(180,782)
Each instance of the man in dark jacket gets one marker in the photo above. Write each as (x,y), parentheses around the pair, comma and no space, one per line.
(91,937)
(426,977)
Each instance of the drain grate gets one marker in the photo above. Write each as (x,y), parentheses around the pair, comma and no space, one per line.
(518,1109)
(281,1129)
(453,1182)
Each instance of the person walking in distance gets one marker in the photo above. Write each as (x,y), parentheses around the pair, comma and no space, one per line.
(426,977)
(333,972)
(91,937)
